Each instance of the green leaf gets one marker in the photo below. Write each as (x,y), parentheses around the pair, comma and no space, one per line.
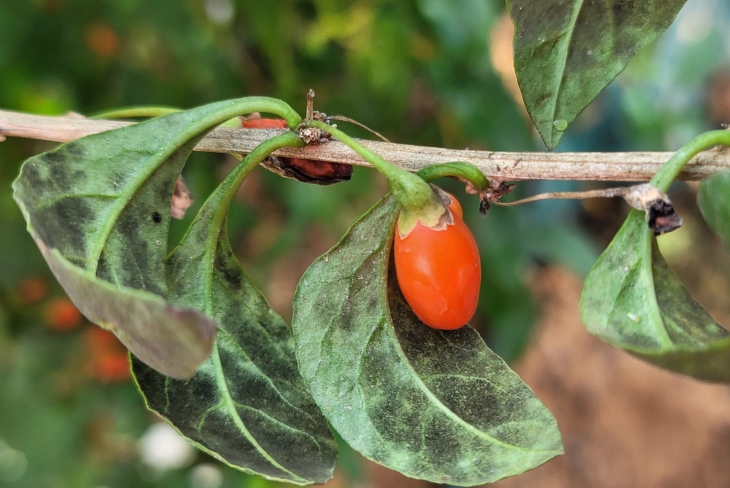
(247,405)
(436,405)
(631,299)
(102,203)
(714,202)
(176,328)
(566,52)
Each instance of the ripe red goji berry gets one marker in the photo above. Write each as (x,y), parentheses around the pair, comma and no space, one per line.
(439,271)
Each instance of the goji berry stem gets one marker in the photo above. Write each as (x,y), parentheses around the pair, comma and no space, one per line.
(262,104)
(457,169)
(411,191)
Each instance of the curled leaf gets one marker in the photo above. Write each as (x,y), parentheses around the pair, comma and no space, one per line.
(631,299)
(103,204)
(247,405)
(435,405)
(152,326)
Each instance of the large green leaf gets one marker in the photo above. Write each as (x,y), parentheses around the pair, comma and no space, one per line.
(436,405)
(631,299)
(247,405)
(714,202)
(101,205)
(567,51)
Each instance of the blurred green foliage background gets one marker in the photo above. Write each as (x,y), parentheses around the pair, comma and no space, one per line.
(427,72)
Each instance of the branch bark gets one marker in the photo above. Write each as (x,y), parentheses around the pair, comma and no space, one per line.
(505,166)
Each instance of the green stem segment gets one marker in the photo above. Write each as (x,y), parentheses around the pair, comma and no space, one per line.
(263,104)
(463,171)
(130,112)
(224,111)
(235,178)
(412,192)
(669,171)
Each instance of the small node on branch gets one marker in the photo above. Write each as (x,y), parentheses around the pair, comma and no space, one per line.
(660,213)
(313,135)
(496,190)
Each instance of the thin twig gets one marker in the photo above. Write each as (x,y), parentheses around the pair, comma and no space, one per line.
(359,124)
(501,166)
(569,195)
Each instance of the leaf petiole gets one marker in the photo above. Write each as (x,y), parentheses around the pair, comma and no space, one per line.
(412,192)
(132,112)
(669,171)
(460,170)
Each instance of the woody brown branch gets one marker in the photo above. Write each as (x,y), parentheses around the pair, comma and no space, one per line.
(506,166)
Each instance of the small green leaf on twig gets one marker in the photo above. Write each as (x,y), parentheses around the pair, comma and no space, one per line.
(632,300)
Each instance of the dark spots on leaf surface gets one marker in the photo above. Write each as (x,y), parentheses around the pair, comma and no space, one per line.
(135,261)
(59,173)
(103,268)
(55,157)
(156,217)
(31,175)
(63,225)
(232,274)
(168,186)
(117,180)
(541,98)
(204,392)
(75,150)
(127,225)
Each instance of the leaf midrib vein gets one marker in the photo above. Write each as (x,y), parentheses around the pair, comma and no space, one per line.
(208,270)
(231,407)
(125,197)
(283,425)
(268,379)
(565,48)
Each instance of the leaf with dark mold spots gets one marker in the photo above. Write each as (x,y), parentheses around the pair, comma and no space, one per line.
(90,201)
(435,405)
(248,403)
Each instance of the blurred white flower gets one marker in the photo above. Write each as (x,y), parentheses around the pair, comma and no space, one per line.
(161,448)
(206,475)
